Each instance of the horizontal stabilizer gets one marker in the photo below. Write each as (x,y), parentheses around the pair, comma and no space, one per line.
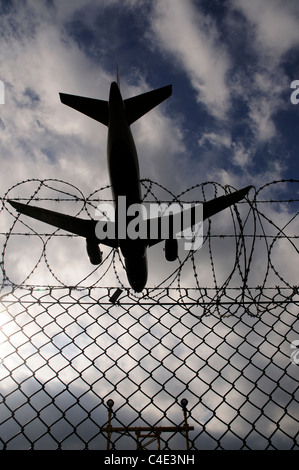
(96,109)
(139,105)
(82,227)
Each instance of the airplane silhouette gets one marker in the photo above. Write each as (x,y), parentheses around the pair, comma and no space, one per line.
(118,114)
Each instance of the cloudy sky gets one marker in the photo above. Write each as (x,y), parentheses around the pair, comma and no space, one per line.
(231,65)
(229,120)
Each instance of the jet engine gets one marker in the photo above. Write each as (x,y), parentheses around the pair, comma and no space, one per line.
(171,249)
(93,250)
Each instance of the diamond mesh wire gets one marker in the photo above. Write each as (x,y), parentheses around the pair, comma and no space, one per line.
(223,339)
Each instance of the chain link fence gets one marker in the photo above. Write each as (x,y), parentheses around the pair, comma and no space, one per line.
(218,328)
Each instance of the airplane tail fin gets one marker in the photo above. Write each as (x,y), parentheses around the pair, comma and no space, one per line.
(139,105)
(96,109)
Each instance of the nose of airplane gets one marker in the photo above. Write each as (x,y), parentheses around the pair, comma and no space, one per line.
(138,284)
(136,272)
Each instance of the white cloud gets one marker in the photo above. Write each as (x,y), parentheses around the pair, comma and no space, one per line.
(31,63)
(222,140)
(192,39)
(218,139)
(241,156)
(262,123)
(275,23)
(272,31)
(263,92)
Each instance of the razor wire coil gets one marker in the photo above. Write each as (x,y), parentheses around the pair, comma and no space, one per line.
(225,338)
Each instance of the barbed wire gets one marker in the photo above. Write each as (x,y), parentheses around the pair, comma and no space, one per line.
(219,326)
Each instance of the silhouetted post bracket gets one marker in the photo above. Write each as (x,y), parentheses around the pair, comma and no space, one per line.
(184,403)
(110,404)
(150,432)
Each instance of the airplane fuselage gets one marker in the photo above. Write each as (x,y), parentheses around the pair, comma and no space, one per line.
(118,114)
(124,176)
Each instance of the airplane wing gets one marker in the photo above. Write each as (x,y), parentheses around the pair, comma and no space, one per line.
(82,227)
(219,203)
(209,209)
(87,228)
